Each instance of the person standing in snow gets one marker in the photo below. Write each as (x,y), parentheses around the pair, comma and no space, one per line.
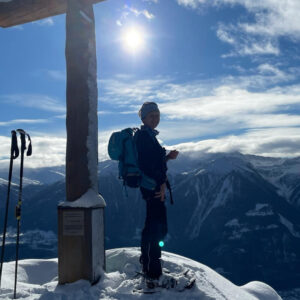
(152,160)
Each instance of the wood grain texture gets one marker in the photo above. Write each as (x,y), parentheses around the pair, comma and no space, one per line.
(17,12)
(81,92)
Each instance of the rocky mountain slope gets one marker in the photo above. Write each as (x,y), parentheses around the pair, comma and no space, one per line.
(239,214)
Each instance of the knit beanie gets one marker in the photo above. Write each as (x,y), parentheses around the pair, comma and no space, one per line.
(146,108)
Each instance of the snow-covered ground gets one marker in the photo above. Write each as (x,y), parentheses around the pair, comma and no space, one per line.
(37,279)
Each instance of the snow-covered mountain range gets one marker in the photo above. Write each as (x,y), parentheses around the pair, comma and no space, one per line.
(239,214)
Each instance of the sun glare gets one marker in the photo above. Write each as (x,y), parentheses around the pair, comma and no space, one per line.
(133,39)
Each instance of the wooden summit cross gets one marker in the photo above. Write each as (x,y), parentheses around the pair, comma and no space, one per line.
(81,253)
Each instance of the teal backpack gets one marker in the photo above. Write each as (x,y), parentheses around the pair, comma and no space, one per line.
(122,147)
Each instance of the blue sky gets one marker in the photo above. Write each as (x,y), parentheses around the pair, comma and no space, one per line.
(225,74)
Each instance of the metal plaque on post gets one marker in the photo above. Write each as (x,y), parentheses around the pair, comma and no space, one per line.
(73,222)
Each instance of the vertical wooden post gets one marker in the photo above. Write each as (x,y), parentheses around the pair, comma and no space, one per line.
(81,94)
(81,218)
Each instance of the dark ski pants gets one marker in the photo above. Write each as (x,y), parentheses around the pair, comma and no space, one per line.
(155,230)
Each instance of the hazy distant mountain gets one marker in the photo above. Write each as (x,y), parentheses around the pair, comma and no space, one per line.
(239,214)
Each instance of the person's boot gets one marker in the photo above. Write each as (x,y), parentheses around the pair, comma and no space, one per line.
(144,262)
(155,270)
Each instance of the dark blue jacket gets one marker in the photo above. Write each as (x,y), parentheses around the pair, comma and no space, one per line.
(151,155)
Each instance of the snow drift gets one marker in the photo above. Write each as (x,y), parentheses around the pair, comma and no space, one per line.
(37,279)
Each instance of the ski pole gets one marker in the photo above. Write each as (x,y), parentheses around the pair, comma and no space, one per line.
(23,135)
(14,153)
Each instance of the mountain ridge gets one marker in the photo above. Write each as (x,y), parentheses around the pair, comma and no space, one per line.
(226,210)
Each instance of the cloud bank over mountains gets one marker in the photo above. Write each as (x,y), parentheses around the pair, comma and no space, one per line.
(251,104)
(249,113)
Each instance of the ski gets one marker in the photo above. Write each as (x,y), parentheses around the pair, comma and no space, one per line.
(14,153)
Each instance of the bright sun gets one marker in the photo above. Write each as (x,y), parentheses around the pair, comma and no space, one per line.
(133,39)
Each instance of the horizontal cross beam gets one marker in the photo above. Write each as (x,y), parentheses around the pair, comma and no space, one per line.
(16,12)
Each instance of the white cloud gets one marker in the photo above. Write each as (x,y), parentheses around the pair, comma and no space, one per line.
(133,11)
(277,142)
(282,142)
(110,112)
(45,22)
(230,102)
(60,116)
(194,110)
(35,101)
(124,91)
(19,122)
(143,12)
(129,92)
(225,36)
(191,3)
(246,44)
(270,120)
(47,151)
(249,113)
(105,112)
(272,19)
(272,142)
(50,149)
(5,143)
(263,77)
(272,70)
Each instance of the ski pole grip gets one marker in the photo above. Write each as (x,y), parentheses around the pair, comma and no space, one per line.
(23,142)
(29,151)
(23,139)
(14,145)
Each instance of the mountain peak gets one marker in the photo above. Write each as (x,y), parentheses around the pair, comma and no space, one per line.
(38,279)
